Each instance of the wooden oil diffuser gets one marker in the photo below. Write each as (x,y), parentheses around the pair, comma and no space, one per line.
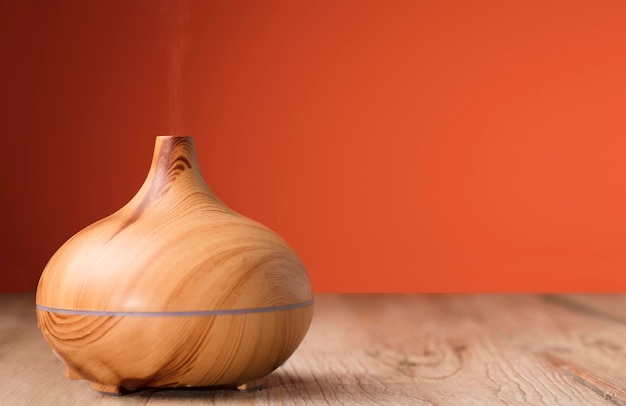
(174,289)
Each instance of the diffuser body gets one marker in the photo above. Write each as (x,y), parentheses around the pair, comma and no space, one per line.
(174,289)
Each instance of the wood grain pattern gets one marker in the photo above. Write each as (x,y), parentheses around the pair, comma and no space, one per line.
(389,350)
(122,301)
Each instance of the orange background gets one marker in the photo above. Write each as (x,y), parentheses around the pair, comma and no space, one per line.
(424,146)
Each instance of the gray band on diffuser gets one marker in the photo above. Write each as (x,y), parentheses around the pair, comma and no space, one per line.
(176,313)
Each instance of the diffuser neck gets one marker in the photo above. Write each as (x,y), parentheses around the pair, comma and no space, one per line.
(174,169)
(171,151)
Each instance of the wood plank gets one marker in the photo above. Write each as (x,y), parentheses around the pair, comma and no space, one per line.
(454,358)
(384,349)
(611,306)
(583,346)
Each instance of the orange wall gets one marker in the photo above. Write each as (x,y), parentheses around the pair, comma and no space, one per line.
(397,145)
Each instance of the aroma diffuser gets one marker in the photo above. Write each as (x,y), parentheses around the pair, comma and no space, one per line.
(174,290)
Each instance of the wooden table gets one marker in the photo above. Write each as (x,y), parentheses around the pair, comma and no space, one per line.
(387,349)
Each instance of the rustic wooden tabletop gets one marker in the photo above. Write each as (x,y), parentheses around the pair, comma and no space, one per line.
(386,349)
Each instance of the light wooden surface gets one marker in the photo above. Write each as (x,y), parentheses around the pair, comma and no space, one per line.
(387,349)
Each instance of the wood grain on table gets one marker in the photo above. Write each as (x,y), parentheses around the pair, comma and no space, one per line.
(390,349)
